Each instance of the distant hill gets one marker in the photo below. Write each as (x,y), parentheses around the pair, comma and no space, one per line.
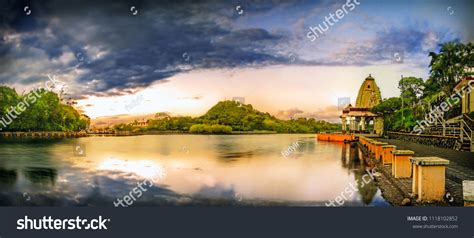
(230,116)
(243,117)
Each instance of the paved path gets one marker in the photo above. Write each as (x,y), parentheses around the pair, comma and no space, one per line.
(462,158)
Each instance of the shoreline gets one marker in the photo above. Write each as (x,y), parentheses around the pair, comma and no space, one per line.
(58,134)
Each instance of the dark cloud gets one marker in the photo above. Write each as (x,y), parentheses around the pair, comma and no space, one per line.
(106,50)
(116,50)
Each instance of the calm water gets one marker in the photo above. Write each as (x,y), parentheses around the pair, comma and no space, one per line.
(199,170)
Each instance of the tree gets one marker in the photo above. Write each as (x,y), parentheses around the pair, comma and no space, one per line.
(411,89)
(454,62)
(387,109)
(41,110)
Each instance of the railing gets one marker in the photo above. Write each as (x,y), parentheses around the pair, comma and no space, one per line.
(467,133)
(469,119)
(466,126)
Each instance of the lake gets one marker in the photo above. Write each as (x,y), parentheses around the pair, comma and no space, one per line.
(195,170)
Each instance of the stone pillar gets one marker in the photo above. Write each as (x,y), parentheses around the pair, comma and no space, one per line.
(354,124)
(344,125)
(378,125)
(429,178)
(401,165)
(362,123)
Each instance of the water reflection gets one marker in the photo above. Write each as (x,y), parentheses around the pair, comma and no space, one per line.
(45,176)
(313,174)
(351,160)
(7,177)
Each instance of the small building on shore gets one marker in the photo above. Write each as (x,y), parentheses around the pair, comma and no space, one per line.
(140,123)
(359,118)
(467,100)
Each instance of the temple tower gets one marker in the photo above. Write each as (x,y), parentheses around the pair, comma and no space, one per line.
(369,94)
(355,119)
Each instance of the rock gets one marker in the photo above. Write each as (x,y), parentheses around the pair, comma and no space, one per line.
(406,202)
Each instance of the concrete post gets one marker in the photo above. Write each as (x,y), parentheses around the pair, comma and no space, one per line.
(429,178)
(387,155)
(468,193)
(378,150)
(401,166)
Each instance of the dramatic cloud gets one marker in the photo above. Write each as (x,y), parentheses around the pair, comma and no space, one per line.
(108,48)
(118,47)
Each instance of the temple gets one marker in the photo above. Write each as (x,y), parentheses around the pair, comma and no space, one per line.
(359,119)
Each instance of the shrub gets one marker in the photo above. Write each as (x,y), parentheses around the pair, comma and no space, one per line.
(210,129)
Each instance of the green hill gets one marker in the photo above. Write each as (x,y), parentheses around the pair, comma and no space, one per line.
(229,116)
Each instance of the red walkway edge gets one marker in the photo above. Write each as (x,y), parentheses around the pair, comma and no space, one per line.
(335,137)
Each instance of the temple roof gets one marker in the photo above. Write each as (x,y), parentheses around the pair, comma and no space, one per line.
(369,94)
(357,112)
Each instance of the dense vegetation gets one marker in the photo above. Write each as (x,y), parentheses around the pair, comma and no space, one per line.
(418,97)
(38,110)
(230,116)
(210,129)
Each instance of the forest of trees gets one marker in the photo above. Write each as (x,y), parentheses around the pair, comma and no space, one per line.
(454,62)
(230,116)
(38,110)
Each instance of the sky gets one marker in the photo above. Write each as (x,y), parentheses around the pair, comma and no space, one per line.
(120,58)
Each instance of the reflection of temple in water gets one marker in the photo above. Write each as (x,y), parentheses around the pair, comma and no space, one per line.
(350,157)
(352,160)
